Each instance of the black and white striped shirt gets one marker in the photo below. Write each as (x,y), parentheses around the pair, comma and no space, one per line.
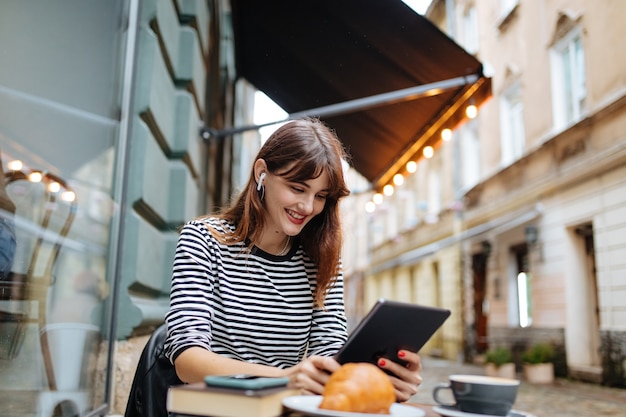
(251,306)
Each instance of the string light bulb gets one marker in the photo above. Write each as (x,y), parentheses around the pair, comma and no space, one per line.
(15,165)
(370,207)
(35,176)
(428,152)
(446,134)
(377,198)
(68,196)
(398,179)
(471,111)
(388,190)
(54,187)
(411,166)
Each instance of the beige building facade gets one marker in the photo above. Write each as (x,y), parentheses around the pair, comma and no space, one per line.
(518,222)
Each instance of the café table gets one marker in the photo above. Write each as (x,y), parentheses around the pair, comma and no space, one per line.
(428,409)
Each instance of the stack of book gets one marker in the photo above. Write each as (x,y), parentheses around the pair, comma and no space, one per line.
(201,400)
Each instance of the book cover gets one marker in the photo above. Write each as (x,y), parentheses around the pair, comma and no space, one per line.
(199,400)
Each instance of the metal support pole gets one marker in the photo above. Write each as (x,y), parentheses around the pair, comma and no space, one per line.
(406,94)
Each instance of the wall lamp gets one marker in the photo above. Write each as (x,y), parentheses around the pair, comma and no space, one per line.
(486,247)
(531,234)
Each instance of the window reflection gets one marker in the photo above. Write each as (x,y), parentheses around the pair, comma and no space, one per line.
(58,133)
(52,300)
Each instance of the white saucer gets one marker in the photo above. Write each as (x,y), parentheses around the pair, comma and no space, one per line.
(447,411)
(308,404)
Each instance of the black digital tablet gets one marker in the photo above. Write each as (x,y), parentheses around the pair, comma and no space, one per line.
(388,327)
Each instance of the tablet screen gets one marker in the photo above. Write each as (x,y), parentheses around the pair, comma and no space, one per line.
(389,327)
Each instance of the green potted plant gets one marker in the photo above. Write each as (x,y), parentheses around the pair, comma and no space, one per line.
(499,363)
(539,363)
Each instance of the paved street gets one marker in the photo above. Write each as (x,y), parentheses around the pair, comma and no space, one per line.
(562,399)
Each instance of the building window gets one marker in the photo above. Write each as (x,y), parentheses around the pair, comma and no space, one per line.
(470,30)
(568,79)
(507,7)
(507,13)
(409,217)
(469,148)
(391,220)
(512,135)
(434,194)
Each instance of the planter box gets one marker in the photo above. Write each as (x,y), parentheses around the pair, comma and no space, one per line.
(541,373)
(506,370)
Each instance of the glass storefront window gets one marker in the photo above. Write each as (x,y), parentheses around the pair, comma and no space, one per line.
(60,103)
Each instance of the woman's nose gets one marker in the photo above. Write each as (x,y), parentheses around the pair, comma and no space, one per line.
(306,204)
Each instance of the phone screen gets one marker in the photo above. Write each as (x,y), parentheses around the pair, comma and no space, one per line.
(244,381)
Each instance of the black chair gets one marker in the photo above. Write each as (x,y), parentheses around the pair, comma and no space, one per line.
(154,375)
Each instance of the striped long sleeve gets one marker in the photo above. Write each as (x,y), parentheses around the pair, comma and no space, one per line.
(251,306)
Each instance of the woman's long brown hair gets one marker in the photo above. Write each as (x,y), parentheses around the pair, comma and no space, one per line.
(315,149)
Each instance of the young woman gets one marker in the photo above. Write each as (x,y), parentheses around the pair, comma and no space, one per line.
(258,288)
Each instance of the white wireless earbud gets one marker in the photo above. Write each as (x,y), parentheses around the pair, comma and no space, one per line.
(260,183)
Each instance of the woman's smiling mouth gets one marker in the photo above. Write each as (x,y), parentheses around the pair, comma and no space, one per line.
(295,215)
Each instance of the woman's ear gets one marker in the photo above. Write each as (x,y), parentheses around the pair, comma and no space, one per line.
(260,167)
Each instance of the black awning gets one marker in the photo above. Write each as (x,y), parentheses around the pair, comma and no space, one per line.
(307,54)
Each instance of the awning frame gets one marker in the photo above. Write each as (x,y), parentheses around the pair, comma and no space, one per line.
(405,94)
(472,81)
(426,137)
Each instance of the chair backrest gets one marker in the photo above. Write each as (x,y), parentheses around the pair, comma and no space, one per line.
(45,209)
(153,377)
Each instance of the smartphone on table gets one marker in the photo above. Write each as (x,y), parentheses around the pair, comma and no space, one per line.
(245,381)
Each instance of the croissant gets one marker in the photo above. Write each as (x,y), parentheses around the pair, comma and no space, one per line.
(358,388)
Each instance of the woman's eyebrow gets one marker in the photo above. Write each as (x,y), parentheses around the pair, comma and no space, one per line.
(304,184)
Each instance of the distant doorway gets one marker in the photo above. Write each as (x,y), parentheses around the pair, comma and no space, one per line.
(479,285)
(522,283)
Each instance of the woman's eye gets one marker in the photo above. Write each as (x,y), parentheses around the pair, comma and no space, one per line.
(297,189)
(321,197)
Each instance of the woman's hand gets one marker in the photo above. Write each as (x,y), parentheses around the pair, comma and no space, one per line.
(312,373)
(406,377)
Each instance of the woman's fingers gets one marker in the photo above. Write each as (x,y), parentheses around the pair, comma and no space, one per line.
(314,373)
(406,378)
